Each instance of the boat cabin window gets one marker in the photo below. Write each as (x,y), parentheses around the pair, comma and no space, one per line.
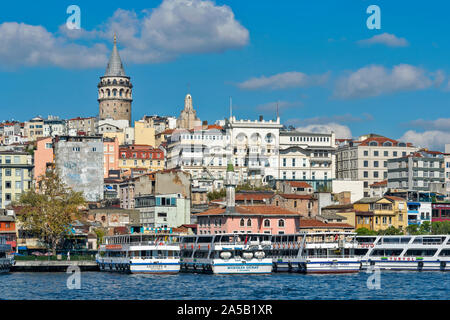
(365,239)
(188,240)
(386,252)
(361,252)
(390,240)
(444,253)
(204,239)
(420,252)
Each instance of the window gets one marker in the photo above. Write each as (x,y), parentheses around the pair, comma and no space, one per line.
(281,223)
(394,153)
(267,223)
(249,223)
(375,164)
(386,153)
(375,153)
(242,224)
(366,153)
(366,174)
(366,163)
(375,174)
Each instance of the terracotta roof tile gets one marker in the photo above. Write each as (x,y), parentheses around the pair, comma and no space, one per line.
(258,210)
(297,196)
(299,184)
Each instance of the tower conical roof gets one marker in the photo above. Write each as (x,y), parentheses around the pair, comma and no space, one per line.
(115,66)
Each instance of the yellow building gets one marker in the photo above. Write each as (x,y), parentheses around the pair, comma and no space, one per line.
(16,176)
(381,213)
(140,157)
(144,133)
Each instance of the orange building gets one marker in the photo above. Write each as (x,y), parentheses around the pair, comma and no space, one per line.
(110,155)
(42,156)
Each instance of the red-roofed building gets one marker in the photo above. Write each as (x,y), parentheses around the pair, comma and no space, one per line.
(248,219)
(295,187)
(366,158)
(305,204)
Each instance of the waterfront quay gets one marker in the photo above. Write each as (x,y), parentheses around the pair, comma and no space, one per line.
(52,264)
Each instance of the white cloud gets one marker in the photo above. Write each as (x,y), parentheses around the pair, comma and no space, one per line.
(438,124)
(376,80)
(175,27)
(284,80)
(26,45)
(433,139)
(390,40)
(341,131)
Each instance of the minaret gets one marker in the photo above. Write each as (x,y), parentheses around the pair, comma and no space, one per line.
(230,185)
(115,90)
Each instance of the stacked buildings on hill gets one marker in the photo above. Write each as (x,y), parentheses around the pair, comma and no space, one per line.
(158,172)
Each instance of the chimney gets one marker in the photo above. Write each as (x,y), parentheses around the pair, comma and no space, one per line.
(261,118)
(205,125)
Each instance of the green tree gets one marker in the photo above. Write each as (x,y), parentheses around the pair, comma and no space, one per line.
(365,232)
(440,227)
(50,211)
(413,229)
(425,227)
(390,231)
(219,194)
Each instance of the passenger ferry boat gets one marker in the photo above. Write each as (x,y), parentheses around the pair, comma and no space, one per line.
(331,252)
(6,261)
(140,253)
(421,252)
(286,253)
(226,253)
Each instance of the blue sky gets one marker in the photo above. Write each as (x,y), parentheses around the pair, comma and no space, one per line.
(317,59)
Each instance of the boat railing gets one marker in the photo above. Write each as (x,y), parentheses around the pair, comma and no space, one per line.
(154,257)
(153,243)
(330,256)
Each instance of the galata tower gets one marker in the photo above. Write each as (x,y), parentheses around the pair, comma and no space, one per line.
(115,90)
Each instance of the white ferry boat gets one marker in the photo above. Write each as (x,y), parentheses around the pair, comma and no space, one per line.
(226,253)
(286,253)
(140,253)
(421,252)
(331,252)
(6,261)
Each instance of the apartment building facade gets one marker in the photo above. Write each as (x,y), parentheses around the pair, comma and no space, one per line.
(416,171)
(16,176)
(366,159)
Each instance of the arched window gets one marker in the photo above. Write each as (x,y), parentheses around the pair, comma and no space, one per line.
(387,144)
(114,92)
(108,92)
(281,223)
(267,223)
(242,223)
(249,223)
(114,81)
(121,92)
(373,143)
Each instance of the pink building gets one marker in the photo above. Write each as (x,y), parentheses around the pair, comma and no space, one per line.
(248,219)
(110,155)
(42,156)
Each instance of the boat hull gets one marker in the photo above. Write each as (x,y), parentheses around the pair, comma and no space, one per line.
(323,265)
(263,266)
(133,266)
(5,265)
(425,265)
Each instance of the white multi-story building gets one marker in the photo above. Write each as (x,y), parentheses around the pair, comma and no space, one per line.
(447,168)
(416,171)
(252,147)
(307,156)
(54,126)
(366,158)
